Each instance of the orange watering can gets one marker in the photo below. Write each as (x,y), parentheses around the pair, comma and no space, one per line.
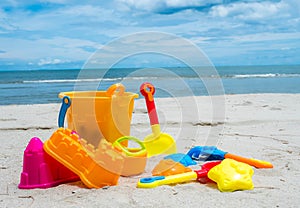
(157,142)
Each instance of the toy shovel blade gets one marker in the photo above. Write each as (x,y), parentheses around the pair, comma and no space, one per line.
(213,153)
(157,142)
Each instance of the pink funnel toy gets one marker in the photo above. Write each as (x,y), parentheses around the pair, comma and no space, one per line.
(42,171)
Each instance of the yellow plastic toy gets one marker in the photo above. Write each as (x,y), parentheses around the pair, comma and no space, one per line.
(95,167)
(100,114)
(177,174)
(155,181)
(157,142)
(231,175)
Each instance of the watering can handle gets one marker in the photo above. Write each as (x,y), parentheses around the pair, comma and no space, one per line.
(66,103)
(118,144)
(148,90)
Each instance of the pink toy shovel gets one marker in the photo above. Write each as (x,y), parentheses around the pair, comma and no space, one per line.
(42,171)
(157,142)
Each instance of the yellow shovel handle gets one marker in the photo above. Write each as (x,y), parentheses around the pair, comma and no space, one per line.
(153,182)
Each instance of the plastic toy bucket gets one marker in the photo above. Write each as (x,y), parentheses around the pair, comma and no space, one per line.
(100,114)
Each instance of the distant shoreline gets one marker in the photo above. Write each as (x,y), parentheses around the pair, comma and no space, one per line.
(43,86)
(53,68)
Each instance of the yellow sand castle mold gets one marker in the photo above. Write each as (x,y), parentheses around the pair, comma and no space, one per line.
(101,170)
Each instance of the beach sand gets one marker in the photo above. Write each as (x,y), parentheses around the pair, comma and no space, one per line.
(262,126)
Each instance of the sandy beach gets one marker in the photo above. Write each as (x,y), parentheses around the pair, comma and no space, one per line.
(262,126)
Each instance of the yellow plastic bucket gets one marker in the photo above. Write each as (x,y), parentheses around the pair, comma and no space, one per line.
(100,114)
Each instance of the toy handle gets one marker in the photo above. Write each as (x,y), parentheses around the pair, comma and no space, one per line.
(205,168)
(118,144)
(66,103)
(113,88)
(201,173)
(148,90)
(155,181)
(250,161)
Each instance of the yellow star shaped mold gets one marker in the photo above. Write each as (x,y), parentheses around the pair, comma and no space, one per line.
(231,175)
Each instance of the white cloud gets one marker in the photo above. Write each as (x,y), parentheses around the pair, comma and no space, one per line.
(72,30)
(69,17)
(54,1)
(60,47)
(161,44)
(51,61)
(5,25)
(162,5)
(188,3)
(2,14)
(86,10)
(63,42)
(250,11)
(267,36)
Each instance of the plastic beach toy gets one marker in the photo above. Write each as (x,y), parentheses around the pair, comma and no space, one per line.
(98,114)
(42,171)
(205,168)
(169,167)
(152,182)
(213,153)
(231,175)
(184,159)
(96,167)
(66,103)
(135,159)
(157,142)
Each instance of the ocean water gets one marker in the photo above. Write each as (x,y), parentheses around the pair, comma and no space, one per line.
(43,86)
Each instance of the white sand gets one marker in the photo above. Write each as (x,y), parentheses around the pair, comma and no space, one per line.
(262,126)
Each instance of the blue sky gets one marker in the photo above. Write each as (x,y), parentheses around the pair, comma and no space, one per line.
(64,34)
